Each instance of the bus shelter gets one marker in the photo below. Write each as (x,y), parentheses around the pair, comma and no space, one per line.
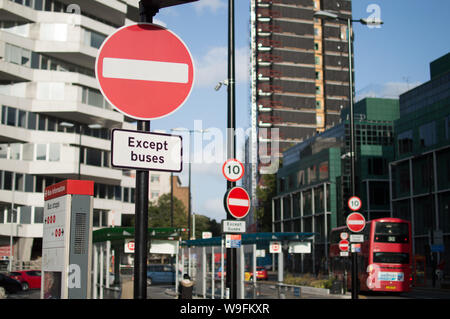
(205,261)
(112,253)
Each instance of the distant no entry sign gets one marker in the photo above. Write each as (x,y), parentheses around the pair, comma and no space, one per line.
(343,245)
(144,71)
(356,222)
(237,202)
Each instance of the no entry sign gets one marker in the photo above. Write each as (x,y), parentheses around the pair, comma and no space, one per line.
(343,245)
(237,202)
(144,71)
(356,222)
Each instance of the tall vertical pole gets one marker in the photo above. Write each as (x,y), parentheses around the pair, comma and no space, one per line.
(231,278)
(146,13)
(352,153)
(189,190)
(171,199)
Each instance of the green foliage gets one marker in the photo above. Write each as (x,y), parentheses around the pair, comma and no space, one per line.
(159,214)
(308,280)
(205,224)
(265,194)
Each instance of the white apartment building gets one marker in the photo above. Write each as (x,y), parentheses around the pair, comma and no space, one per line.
(54,122)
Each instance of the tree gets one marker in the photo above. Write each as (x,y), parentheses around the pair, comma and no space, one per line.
(265,193)
(159,214)
(204,224)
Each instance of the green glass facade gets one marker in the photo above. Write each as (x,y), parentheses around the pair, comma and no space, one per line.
(314,182)
(421,170)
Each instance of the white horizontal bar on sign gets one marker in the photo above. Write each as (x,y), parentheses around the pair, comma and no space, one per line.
(238,202)
(145,70)
(355,222)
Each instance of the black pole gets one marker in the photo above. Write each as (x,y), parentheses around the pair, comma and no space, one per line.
(171,199)
(189,195)
(146,13)
(231,270)
(355,281)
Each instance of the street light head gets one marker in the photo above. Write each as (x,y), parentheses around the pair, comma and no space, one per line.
(218,86)
(325,15)
(373,21)
(66,124)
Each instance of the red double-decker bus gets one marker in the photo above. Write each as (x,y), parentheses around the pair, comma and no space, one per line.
(384,259)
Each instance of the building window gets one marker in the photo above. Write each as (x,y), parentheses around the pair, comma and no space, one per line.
(155,194)
(447,127)
(377,166)
(323,171)
(427,134)
(154,178)
(317,60)
(301,178)
(405,142)
(312,174)
(41,152)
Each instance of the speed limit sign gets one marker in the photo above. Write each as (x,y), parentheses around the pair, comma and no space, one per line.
(354,203)
(233,170)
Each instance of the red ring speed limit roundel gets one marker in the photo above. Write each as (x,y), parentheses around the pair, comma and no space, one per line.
(144,71)
(237,202)
(233,170)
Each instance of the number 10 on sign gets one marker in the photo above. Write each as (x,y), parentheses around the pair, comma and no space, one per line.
(233,170)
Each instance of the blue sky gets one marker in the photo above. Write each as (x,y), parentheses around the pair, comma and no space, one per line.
(388,60)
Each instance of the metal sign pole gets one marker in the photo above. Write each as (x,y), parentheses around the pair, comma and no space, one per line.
(231,278)
(146,13)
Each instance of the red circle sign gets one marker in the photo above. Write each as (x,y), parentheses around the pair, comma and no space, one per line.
(354,203)
(144,71)
(237,202)
(356,222)
(233,170)
(343,245)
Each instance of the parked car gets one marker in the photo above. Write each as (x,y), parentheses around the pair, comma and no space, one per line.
(29,279)
(10,285)
(160,274)
(261,273)
(218,274)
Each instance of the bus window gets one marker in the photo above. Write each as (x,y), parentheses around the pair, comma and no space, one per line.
(390,258)
(391,232)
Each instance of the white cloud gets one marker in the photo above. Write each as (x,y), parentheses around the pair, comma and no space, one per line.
(386,90)
(213,5)
(213,66)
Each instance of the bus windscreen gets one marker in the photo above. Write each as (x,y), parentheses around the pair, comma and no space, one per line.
(390,258)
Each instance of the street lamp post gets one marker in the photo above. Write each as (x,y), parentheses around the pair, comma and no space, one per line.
(333,16)
(190,161)
(80,127)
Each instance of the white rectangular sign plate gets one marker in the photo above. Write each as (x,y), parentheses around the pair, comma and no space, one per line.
(146,151)
(233,226)
(299,248)
(356,238)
